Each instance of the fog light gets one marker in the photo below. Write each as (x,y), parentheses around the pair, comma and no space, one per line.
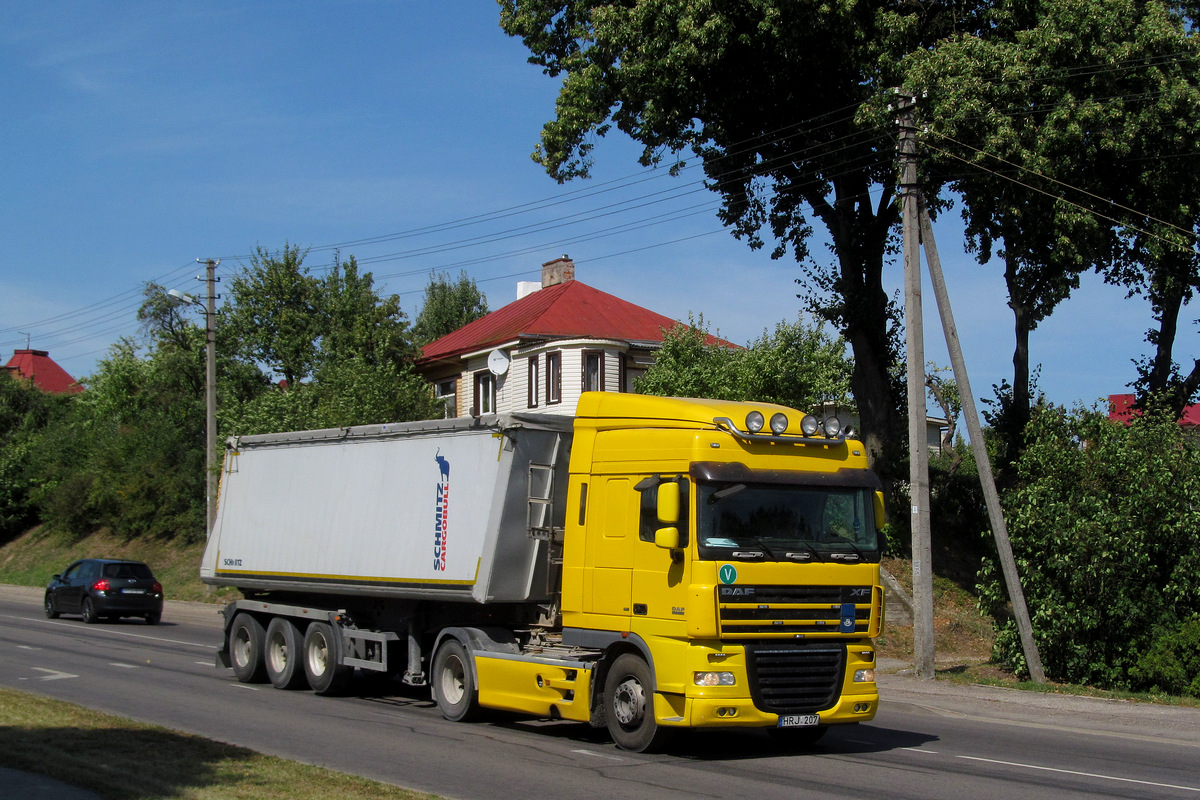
(864,676)
(862,708)
(713,678)
(726,711)
(779,423)
(754,421)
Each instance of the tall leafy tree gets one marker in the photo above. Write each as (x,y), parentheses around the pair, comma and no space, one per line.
(1052,123)
(448,305)
(772,97)
(273,314)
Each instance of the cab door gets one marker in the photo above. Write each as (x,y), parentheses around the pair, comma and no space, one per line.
(612,532)
(661,575)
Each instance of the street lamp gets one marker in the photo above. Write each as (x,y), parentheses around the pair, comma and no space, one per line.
(210,386)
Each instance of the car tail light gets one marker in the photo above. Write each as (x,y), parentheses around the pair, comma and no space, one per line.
(156,588)
(101,585)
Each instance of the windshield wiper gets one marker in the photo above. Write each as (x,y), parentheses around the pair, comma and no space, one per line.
(810,553)
(858,553)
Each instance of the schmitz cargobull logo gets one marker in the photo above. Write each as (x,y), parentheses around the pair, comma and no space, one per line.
(441,525)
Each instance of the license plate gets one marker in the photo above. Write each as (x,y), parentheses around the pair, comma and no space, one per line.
(798,720)
(133,591)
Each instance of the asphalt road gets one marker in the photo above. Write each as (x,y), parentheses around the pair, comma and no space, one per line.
(929,741)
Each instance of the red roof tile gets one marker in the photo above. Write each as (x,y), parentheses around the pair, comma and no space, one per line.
(39,367)
(1121,409)
(564,311)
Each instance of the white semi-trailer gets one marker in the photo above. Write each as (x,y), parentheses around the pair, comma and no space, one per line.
(648,565)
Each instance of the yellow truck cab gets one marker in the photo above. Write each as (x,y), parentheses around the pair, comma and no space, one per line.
(730,551)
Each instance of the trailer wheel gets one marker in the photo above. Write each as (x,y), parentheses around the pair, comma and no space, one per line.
(452,684)
(629,706)
(281,654)
(321,668)
(245,649)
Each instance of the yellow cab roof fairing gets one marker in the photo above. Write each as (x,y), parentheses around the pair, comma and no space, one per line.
(614,405)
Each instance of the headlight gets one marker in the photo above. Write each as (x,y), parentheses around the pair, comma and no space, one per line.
(713,679)
(779,423)
(754,421)
(864,676)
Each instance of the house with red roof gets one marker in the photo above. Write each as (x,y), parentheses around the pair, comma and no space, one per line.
(39,368)
(539,353)
(1121,408)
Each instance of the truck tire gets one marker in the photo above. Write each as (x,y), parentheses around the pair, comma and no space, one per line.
(281,654)
(245,649)
(324,674)
(452,682)
(629,706)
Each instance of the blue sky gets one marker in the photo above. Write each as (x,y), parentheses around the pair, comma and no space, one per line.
(139,137)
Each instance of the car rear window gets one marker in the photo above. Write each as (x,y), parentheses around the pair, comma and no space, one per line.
(140,571)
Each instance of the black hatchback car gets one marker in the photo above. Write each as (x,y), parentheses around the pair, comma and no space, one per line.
(105,587)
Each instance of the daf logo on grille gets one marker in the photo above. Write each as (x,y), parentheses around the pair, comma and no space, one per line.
(737,591)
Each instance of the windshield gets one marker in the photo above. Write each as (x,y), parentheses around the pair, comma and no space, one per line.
(786,522)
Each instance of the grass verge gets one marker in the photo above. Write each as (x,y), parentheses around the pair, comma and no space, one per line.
(126,760)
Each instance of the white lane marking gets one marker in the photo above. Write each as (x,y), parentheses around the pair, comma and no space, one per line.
(27,647)
(598,755)
(122,666)
(51,675)
(1082,774)
(108,631)
(244,686)
(920,750)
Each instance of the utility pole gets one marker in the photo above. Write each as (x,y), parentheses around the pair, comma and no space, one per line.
(210,394)
(1008,564)
(918,445)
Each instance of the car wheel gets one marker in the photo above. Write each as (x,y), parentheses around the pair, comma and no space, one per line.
(321,668)
(51,611)
(629,706)
(281,653)
(88,610)
(245,649)
(153,619)
(453,686)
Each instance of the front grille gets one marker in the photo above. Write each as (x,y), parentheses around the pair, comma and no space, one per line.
(794,611)
(799,679)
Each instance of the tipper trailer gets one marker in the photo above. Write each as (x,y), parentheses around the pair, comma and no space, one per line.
(648,565)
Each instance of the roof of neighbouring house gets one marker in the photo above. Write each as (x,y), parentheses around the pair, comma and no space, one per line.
(564,311)
(46,374)
(1121,409)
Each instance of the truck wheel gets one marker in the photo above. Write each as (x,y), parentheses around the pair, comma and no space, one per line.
(281,654)
(629,706)
(321,668)
(245,649)
(453,687)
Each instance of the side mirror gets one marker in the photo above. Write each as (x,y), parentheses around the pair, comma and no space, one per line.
(667,538)
(880,515)
(668,503)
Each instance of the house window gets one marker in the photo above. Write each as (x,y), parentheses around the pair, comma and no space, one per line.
(623,373)
(533,382)
(593,370)
(445,392)
(553,378)
(485,394)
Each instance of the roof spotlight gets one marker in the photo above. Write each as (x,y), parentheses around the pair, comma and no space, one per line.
(809,425)
(754,421)
(779,423)
(833,426)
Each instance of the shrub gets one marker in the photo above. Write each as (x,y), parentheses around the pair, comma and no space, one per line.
(1172,664)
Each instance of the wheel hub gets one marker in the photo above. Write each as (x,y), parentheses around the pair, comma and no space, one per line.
(629,703)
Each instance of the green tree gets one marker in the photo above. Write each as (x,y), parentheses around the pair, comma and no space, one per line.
(273,313)
(794,365)
(1051,123)
(1105,526)
(26,413)
(777,101)
(448,306)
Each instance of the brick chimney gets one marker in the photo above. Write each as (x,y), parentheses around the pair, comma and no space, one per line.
(560,270)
